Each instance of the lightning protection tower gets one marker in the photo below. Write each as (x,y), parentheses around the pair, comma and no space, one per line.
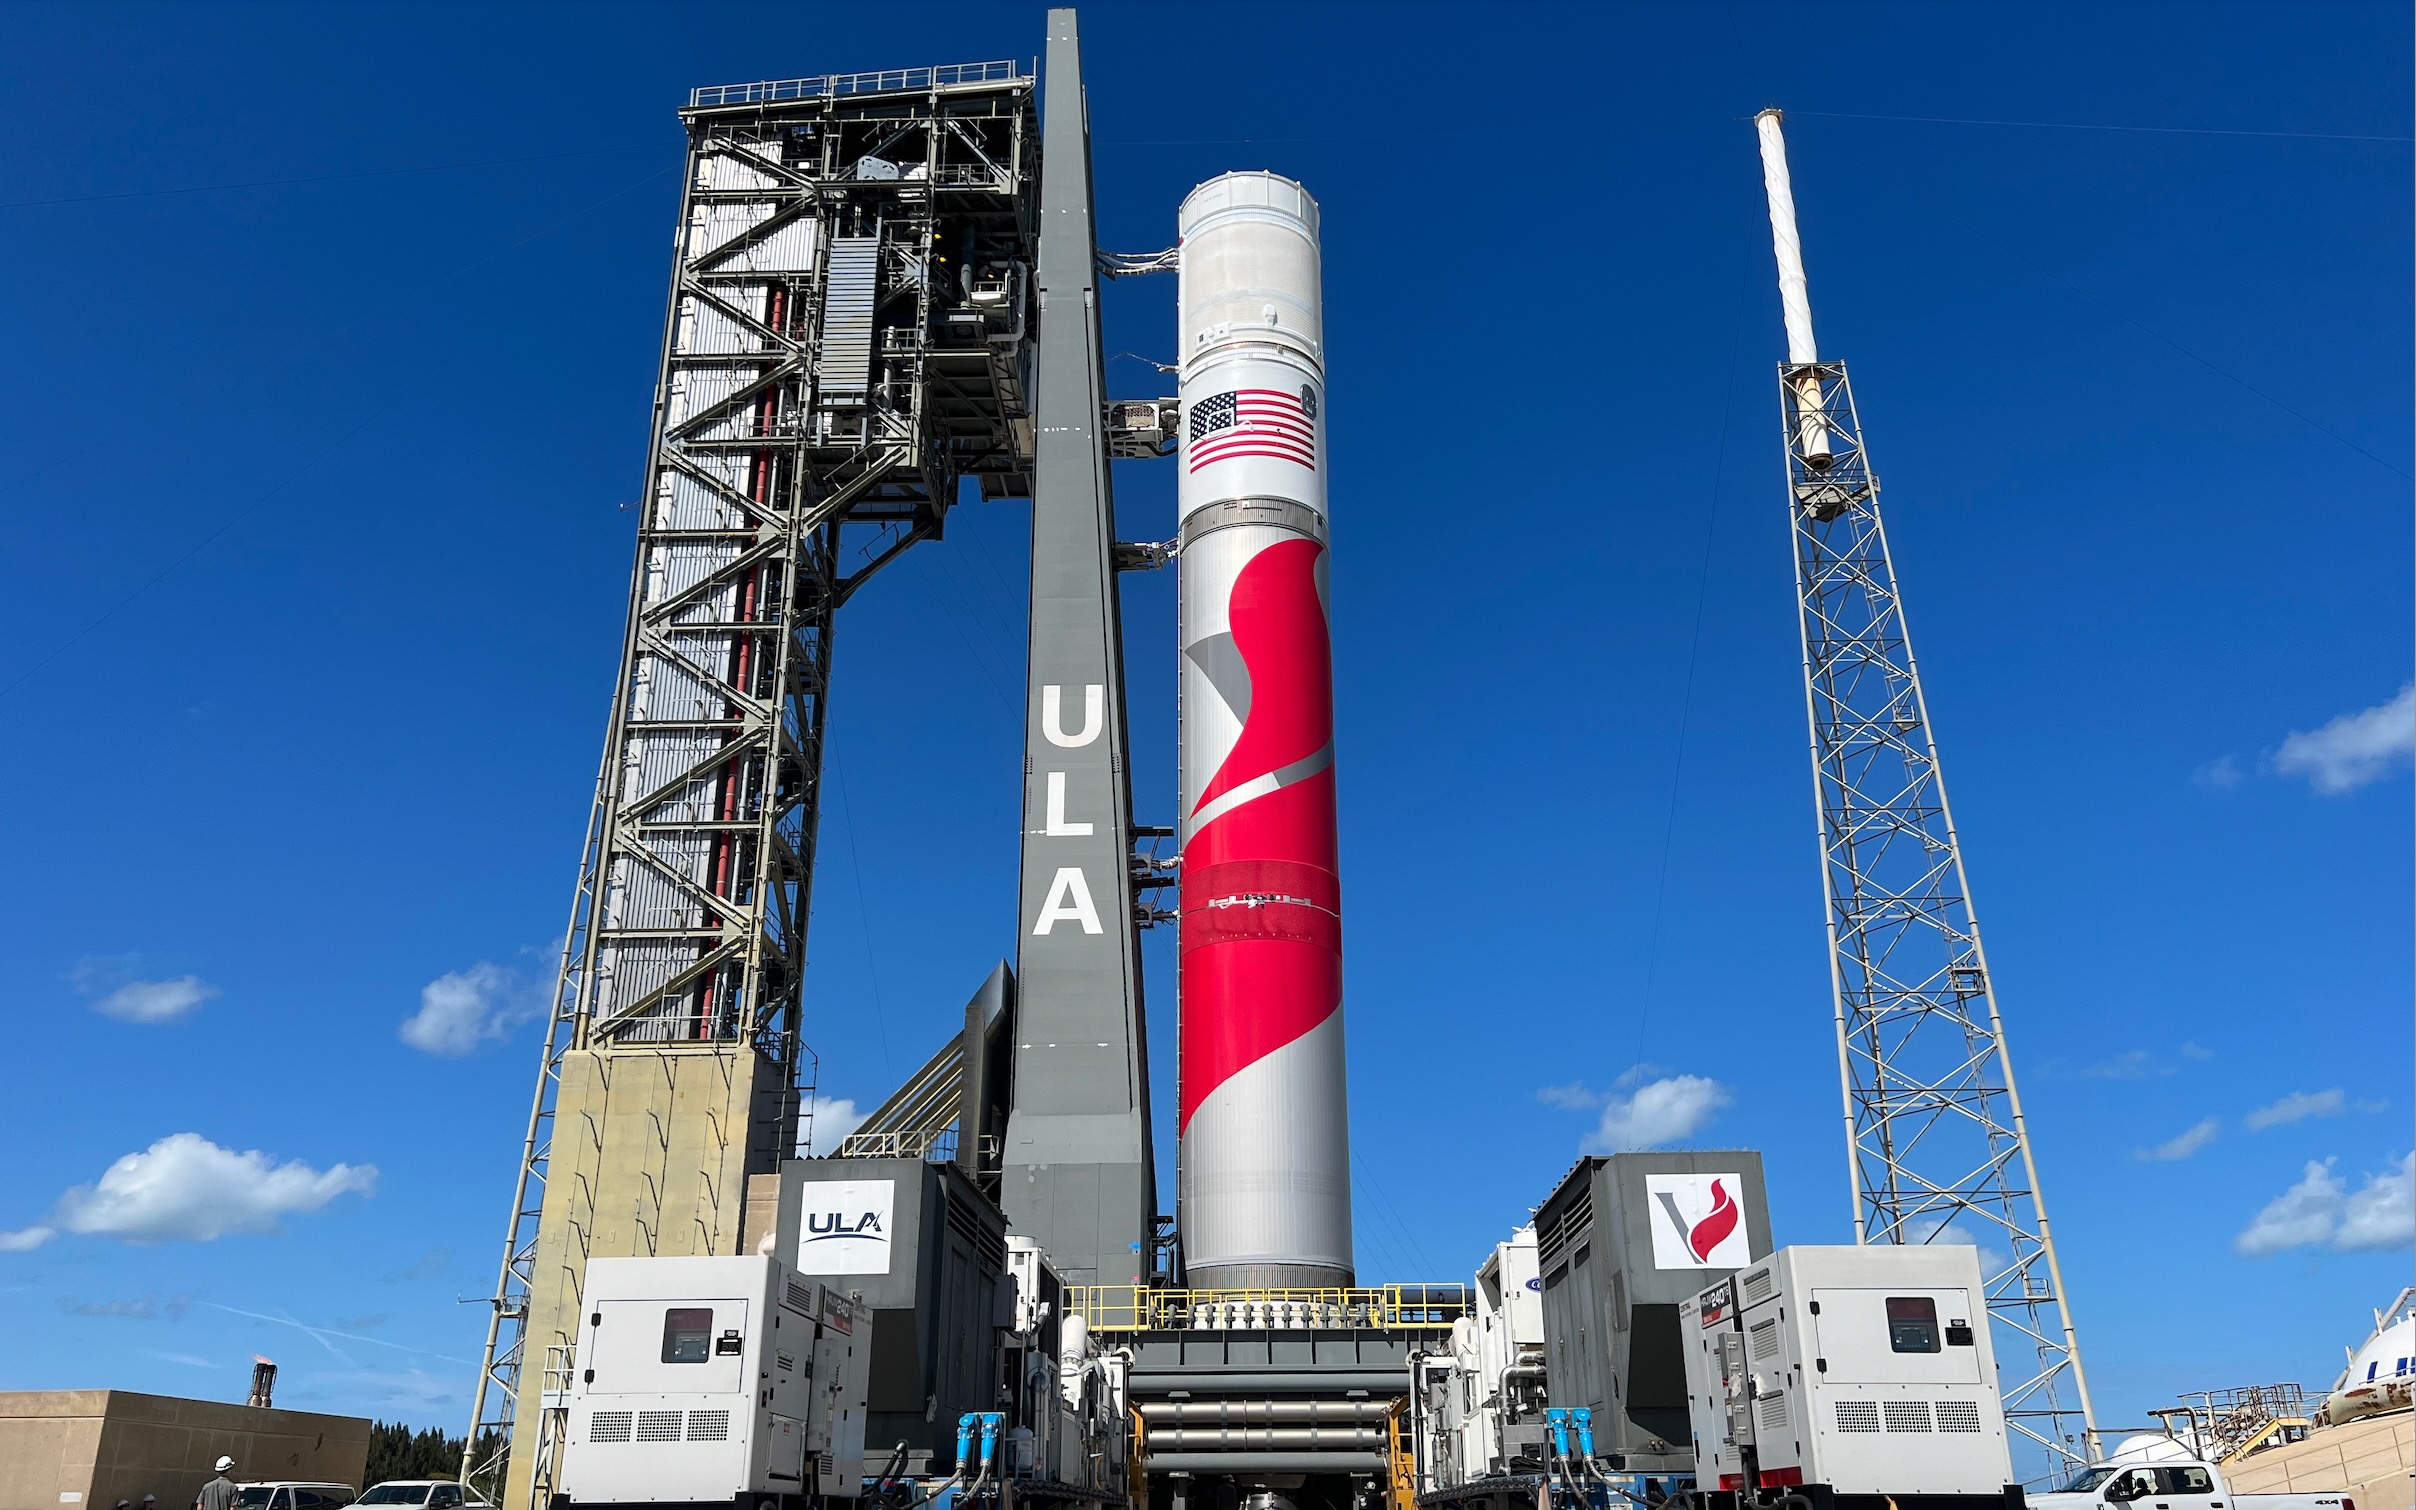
(1934,1132)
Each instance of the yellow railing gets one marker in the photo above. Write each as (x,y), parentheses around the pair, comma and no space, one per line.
(1132,1308)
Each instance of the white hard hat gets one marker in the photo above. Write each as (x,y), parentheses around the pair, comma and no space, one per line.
(224,1464)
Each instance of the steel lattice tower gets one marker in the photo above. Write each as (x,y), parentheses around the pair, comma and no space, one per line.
(847,343)
(1934,1131)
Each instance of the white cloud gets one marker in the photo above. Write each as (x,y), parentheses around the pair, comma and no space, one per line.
(111,977)
(411,1391)
(2181,1146)
(2131,1064)
(1945,1229)
(1656,1112)
(460,1010)
(2307,1212)
(326,1336)
(1571,1097)
(2355,748)
(2298,1106)
(834,1117)
(142,1308)
(155,1000)
(2383,1215)
(2320,1210)
(185,1188)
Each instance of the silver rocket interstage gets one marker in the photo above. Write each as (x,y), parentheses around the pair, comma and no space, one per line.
(1266,1194)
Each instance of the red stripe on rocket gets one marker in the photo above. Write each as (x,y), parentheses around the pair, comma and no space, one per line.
(1259,891)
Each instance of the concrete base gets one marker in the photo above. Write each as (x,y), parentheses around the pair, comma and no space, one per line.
(2369,1459)
(86,1449)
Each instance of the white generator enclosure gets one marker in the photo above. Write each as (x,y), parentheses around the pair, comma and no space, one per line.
(1842,1372)
(708,1380)
(1481,1416)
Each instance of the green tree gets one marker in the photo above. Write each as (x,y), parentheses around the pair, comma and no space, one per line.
(398,1452)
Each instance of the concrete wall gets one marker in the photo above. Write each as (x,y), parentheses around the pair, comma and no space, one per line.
(2370,1459)
(86,1449)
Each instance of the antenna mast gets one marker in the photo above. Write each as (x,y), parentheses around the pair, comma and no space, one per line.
(1936,1144)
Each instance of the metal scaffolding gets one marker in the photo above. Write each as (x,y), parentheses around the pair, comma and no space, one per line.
(848,341)
(1934,1128)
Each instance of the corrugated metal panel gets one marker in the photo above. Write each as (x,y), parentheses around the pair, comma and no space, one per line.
(847,302)
(681,566)
(683,503)
(706,331)
(711,226)
(697,389)
(789,249)
(726,167)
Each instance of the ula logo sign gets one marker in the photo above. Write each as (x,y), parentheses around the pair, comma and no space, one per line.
(823,1226)
(1698,1221)
(846,1227)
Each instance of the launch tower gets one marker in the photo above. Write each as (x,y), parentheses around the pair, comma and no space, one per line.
(1936,1143)
(847,344)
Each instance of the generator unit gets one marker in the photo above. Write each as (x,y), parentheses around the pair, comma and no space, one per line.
(1478,1411)
(1622,1243)
(926,1249)
(712,1381)
(1065,1396)
(1859,1378)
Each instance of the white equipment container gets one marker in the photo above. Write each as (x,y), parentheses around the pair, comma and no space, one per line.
(705,1380)
(1487,1408)
(1839,1372)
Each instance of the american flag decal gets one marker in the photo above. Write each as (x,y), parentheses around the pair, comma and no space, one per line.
(1255,422)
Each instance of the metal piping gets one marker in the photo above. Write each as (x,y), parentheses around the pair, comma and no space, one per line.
(1266,1462)
(1387,1383)
(1242,1412)
(1330,1435)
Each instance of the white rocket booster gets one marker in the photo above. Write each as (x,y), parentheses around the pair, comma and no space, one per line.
(1265,1140)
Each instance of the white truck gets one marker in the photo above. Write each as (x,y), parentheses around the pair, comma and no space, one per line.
(2179,1484)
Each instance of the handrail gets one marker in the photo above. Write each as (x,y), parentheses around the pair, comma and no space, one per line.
(938,1143)
(1378,1307)
(831,85)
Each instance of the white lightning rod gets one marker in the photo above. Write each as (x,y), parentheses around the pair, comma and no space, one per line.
(1794,291)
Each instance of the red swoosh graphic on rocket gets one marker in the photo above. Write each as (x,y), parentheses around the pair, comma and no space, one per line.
(1713,1230)
(1279,630)
(1256,979)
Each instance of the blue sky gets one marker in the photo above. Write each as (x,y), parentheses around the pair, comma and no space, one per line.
(312,591)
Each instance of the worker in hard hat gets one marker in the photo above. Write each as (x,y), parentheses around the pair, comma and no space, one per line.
(218,1493)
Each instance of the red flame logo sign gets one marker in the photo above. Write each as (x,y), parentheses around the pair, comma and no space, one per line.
(1713,1230)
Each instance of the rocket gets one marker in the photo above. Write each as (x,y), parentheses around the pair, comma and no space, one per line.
(1265,1142)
